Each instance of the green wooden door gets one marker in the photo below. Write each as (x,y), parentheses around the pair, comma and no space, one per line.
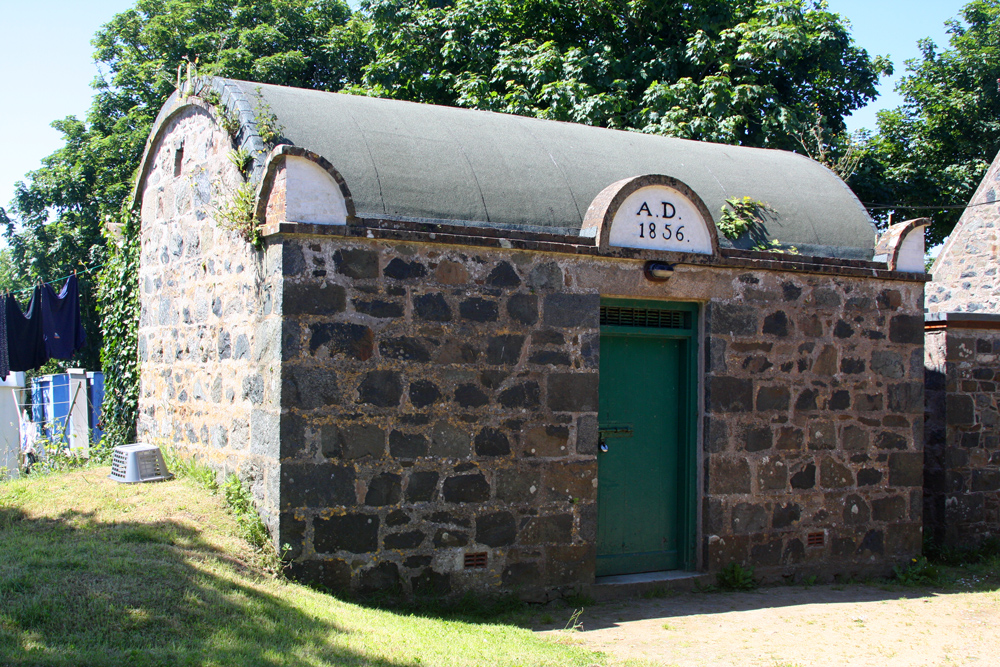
(644,490)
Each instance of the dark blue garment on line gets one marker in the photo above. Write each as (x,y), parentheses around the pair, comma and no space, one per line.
(4,361)
(25,344)
(61,323)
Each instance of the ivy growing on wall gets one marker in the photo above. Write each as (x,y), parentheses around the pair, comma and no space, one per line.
(118,296)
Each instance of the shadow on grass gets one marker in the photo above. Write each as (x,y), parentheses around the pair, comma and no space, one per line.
(75,590)
(472,607)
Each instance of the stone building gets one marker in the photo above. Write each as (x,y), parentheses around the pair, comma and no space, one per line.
(963,404)
(478,351)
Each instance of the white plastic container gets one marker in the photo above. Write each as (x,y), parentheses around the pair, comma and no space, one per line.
(138,463)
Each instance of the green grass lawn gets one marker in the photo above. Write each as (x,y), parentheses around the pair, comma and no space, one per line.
(97,573)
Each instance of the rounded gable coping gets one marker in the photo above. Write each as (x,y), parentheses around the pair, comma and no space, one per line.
(889,244)
(232,98)
(276,158)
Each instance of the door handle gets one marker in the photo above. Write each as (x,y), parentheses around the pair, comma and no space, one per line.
(603,434)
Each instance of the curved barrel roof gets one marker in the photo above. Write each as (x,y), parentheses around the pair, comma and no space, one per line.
(407,160)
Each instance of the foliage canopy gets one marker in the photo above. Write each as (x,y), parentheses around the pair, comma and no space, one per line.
(934,149)
(751,72)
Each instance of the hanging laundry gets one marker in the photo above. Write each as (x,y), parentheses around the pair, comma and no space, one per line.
(25,342)
(61,323)
(31,449)
(4,360)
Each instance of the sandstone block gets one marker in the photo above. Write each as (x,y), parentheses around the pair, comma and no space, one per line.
(732,319)
(381,388)
(355,533)
(316,485)
(432,308)
(384,489)
(497,529)
(398,269)
(572,392)
(572,311)
(359,264)
(421,487)
(729,394)
(313,299)
(408,540)
(728,475)
(466,489)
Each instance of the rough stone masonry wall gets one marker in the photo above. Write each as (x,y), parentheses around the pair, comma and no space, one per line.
(209,331)
(814,424)
(963,435)
(439,400)
(965,273)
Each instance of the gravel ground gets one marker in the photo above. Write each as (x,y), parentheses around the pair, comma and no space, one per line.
(816,626)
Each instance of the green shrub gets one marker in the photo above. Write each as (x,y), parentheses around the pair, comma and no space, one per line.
(739,216)
(919,572)
(251,528)
(735,577)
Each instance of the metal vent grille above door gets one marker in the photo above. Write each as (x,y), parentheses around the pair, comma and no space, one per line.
(618,316)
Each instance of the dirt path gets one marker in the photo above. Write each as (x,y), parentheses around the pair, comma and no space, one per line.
(818,626)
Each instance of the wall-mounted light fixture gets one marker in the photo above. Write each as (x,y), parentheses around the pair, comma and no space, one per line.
(658,271)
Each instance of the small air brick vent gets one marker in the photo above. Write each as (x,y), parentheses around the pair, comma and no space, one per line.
(475,561)
(815,539)
(645,317)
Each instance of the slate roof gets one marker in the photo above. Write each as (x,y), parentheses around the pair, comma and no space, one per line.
(407,160)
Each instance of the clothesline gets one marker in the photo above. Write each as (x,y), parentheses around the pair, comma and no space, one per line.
(51,328)
(50,282)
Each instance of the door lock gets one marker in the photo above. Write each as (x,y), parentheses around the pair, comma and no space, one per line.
(604,433)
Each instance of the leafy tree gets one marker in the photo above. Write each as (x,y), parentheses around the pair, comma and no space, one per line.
(934,149)
(753,72)
(53,225)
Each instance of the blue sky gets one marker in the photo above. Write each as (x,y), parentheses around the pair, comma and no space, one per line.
(47,66)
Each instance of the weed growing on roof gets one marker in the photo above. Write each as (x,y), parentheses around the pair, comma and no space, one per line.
(242,159)
(211,96)
(740,216)
(774,245)
(267,123)
(228,121)
(236,212)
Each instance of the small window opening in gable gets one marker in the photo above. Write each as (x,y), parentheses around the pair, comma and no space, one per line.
(178,159)
(815,539)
